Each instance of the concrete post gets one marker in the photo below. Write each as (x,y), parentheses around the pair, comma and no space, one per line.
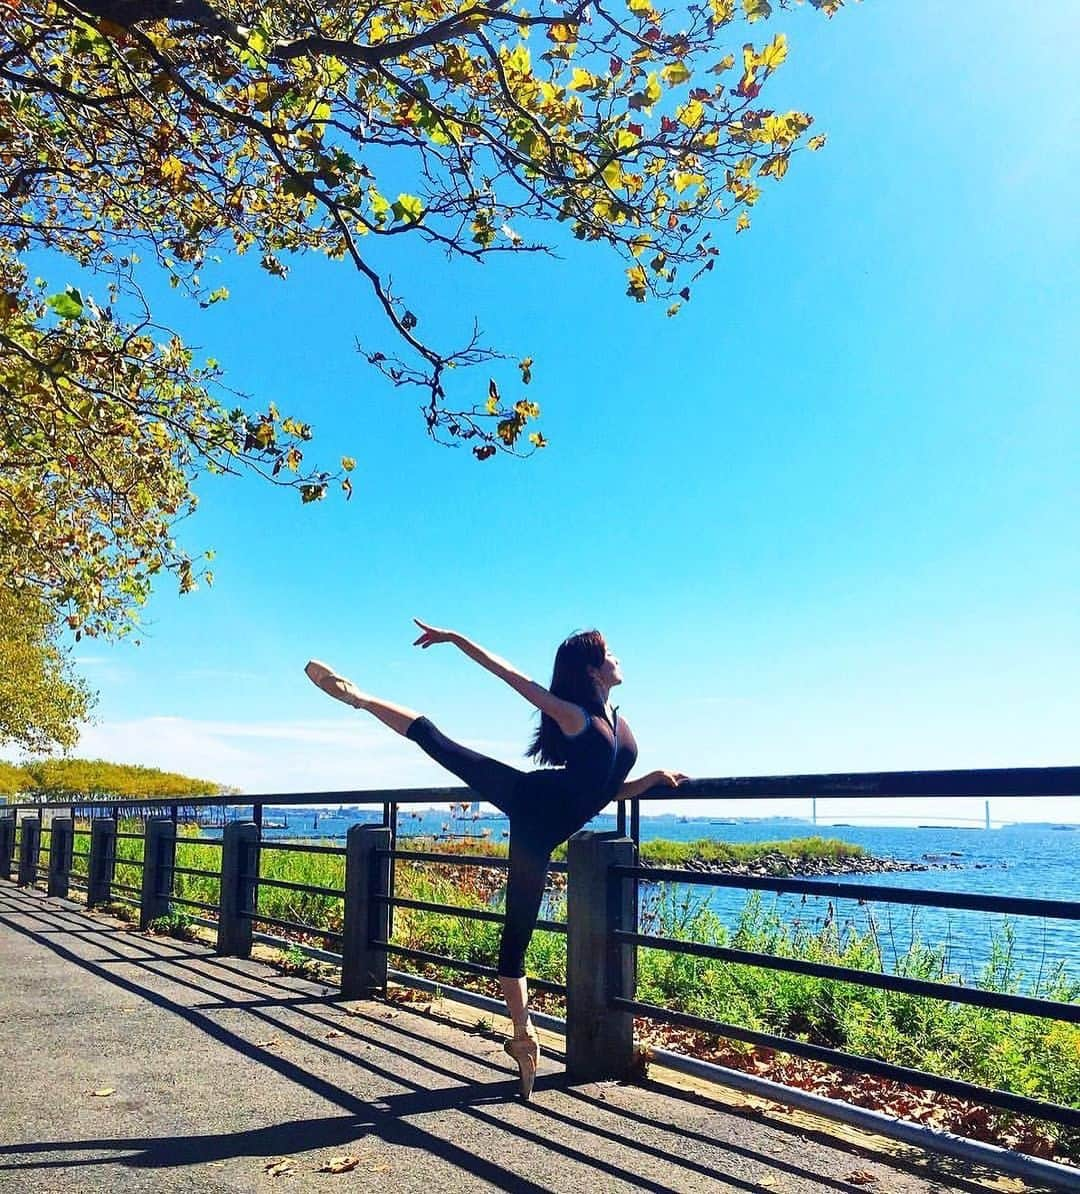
(599,1039)
(61,843)
(7,845)
(29,849)
(239,891)
(102,861)
(367,916)
(159,857)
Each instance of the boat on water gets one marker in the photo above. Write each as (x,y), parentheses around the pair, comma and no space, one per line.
(727,822)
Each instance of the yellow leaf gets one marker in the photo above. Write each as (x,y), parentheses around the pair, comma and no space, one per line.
(742,223)
(562,33)
(172,169)
(676,73)
(653,90)
(757,10)
(639,6)
(340,1164)
(537,440)
(104,1092)
(774,53)
(458,64)
(637,283)
(408,209)
(520,61)
(725,63)
(581,80)
(683,179)
(613,175)
(691,114)
(723,11)
(278,1168)
(776,167)
(817,142)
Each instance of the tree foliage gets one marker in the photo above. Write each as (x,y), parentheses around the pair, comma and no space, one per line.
(12,780)
(41,701)
(164,133)
(96,779)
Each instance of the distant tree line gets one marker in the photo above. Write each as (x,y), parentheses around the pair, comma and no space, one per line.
(95,779)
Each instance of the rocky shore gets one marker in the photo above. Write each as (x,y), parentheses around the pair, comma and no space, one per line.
(776,863)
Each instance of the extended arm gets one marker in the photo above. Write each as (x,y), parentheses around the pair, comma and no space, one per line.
(569,717)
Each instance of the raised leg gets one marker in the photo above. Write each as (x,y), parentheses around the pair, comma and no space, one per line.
(397,717)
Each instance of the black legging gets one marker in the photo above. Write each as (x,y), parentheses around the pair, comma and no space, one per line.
(544,810)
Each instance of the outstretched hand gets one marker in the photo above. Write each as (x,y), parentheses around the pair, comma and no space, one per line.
(432,635)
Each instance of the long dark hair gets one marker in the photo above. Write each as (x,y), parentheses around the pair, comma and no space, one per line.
(570,680)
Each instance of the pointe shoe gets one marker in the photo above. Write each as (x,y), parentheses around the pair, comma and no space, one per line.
(525,1050)
(323,676)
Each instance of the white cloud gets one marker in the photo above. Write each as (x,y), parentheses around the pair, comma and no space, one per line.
(288,756)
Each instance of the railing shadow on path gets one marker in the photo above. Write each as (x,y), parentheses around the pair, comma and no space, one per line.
(191,969)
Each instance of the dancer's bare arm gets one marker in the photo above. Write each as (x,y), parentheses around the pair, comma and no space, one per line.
(567,716)
(634,788)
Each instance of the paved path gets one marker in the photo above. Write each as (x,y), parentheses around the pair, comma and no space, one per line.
(220,1066)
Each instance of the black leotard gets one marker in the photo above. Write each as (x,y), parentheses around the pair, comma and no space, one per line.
(545,807)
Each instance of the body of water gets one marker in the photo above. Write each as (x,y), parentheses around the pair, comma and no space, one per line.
(1035,861)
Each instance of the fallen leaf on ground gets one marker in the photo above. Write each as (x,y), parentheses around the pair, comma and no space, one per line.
(266,1044)
(340,1164)
(278,1168)
(861,1177)
(104,1092)
(333,1033)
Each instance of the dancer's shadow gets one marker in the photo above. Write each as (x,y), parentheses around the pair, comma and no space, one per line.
(579,1128)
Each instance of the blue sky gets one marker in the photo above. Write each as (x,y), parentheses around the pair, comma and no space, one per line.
(826,517)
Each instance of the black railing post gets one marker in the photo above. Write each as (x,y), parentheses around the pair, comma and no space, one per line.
(102,861)
(7,845)
(367,914)
(61,843)
(239,888)
(159,858)
(29,849)
(599,1040)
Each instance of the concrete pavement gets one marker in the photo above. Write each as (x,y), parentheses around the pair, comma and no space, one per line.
(220,1067)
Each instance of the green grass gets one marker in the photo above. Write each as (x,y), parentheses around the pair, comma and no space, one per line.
(667,853)
(1024,1054)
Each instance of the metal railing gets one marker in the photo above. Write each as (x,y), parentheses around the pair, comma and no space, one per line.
(602,923)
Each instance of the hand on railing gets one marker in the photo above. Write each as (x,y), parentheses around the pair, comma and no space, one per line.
(666,779)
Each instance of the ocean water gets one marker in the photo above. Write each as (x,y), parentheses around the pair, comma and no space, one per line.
(1035,861)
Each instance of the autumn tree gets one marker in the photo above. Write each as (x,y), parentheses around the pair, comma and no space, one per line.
(42,702)
(12,781)
(140,135)
(96,779)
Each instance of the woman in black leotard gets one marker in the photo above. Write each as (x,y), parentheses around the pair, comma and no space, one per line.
(589,750)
